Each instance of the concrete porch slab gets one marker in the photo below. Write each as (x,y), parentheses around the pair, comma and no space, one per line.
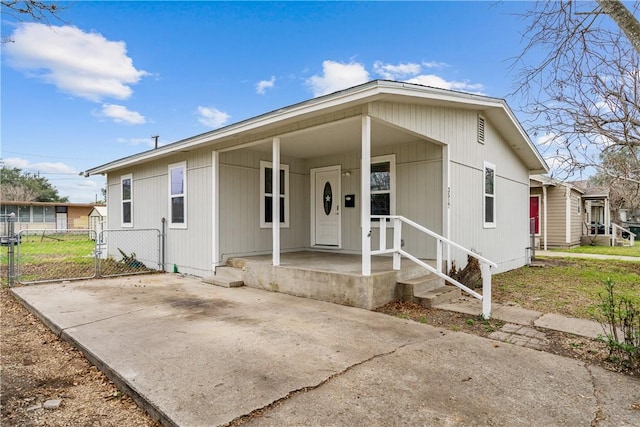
(326,276)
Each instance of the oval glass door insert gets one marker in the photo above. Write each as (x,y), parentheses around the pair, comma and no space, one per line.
(327,198)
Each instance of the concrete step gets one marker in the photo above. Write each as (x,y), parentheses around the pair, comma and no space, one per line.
(228,277)
(441,295)
(406,289)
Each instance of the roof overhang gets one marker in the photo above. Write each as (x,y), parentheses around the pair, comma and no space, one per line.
(496,110)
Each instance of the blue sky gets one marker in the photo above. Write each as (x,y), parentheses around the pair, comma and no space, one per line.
(95,85)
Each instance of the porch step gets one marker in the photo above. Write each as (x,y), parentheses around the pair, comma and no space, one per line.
(228,277)
(427,290)
(441,295)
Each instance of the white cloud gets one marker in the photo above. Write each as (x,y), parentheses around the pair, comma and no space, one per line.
(42,167)
(437,81)
(212,117)
(263,85)
(545,140)
(83,64)
(395,72)
(120,114)
(434,64)
(337,76)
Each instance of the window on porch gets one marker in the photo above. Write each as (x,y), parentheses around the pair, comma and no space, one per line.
(267,195)
(382,179)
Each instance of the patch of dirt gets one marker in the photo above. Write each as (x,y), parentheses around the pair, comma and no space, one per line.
(587,350)
(37,366)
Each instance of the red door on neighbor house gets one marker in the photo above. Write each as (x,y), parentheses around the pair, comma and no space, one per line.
(534,212)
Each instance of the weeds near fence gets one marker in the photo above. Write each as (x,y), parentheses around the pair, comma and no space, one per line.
(620,320)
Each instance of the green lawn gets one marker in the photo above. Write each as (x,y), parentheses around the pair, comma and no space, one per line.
(567,286)
(606,250)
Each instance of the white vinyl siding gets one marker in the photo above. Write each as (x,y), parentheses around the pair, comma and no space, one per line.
(266,195)
(178,195)
(126,192)
(489,195)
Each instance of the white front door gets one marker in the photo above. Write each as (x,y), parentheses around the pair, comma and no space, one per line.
(325,206)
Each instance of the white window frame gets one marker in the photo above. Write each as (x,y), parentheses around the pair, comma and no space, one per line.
(173,166)
(123,200)
(391,159)
(492,224)
(263,166)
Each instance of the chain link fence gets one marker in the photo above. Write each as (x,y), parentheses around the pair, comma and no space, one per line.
(36,256)
(124,252)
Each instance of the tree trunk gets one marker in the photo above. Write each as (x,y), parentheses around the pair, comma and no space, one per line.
(624,19)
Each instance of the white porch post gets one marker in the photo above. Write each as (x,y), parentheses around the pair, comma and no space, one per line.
(275,198)
(365,191)
(607,216)
(544,208)
(215,208)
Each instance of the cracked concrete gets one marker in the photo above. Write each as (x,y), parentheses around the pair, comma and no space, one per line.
(194,355)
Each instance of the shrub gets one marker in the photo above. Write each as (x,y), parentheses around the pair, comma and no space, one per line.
(620,320)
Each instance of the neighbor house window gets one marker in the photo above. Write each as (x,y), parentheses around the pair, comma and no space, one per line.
(126,186)
(267,195)
(489,195)
(382,180)
(178,195)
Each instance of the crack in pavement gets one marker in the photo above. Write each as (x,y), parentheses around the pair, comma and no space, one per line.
(242,418)
(598,415)
(62,330)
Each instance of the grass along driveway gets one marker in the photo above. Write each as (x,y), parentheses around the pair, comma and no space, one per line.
(567,286)
(606,250)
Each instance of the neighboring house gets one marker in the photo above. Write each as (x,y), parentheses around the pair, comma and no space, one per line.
(556,208)
(570,214)
(47,215)
(97,220)
(456,163)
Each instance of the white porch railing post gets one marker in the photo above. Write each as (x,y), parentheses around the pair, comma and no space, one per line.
(383,234)
(485,270)
(439,255)
(397,243)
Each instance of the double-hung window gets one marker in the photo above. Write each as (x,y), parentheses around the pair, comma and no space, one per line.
(489,195)
(382,181)
(126,188)
(267,195)
(178,195)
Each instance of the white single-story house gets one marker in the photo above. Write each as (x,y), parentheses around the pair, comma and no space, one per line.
(457,164)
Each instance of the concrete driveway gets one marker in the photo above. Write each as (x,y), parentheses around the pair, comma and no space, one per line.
(196,355)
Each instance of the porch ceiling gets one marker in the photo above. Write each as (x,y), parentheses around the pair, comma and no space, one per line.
(335,138)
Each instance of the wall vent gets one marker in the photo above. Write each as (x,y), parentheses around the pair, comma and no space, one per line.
(481,129)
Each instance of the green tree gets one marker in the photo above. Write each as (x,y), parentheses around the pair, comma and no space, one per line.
(16,185)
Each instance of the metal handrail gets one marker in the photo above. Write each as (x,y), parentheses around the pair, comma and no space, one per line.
(485,264)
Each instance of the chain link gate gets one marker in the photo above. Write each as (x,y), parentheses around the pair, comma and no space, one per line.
(57,255)
(125,252)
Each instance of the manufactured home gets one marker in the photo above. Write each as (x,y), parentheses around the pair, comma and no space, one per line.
(454,164)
